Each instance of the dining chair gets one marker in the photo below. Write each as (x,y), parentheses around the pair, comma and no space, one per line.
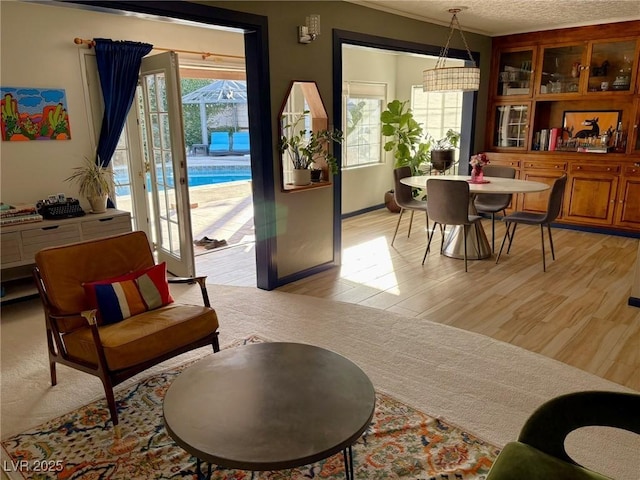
(449,205)
(494,202)
(403,195)
(554,206)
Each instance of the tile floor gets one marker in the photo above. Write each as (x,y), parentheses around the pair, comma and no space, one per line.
(225,211)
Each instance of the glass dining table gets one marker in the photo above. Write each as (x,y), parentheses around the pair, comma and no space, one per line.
(476,237)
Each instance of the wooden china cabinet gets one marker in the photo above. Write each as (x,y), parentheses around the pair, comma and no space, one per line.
(568,101)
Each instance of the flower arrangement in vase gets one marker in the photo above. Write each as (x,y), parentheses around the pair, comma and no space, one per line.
(477,162)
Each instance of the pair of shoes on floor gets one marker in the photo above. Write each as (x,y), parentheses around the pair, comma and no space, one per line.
(204,241)
(215,244)
(210,243)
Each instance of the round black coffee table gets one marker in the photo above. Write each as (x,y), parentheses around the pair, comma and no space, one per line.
(269,406)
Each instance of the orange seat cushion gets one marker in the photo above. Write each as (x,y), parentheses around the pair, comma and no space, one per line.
(145,336)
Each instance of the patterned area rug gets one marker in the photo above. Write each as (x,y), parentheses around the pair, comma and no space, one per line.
(400,443)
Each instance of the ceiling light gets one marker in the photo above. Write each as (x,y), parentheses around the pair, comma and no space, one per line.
(452,79)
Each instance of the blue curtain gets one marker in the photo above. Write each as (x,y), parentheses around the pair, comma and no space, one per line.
(118,68)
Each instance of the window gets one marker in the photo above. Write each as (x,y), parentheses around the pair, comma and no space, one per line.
(436,111)
(363,104)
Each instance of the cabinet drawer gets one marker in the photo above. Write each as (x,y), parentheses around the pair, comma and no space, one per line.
(591,168)
(10,247)
(507,163)
(545,165)
(37,239)
(631,170)
(106,226)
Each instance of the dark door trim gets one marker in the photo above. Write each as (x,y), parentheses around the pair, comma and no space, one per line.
(257,66)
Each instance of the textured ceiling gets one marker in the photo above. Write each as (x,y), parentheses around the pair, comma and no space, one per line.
(503,17)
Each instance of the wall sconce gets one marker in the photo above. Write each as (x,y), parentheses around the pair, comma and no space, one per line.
(309,32)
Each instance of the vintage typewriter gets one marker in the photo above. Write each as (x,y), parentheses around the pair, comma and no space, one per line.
(68,208)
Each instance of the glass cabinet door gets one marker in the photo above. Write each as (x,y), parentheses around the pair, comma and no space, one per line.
(612,65)
(515,70)
(511,126)
(561,68)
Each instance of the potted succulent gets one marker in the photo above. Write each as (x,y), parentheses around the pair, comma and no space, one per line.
(307,147)
(95,183)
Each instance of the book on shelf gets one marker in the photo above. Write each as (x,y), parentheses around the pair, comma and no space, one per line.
(28,218)
(554,135)
(544,139)
(16,210)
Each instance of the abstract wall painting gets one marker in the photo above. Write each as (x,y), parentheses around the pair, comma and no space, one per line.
(33,114)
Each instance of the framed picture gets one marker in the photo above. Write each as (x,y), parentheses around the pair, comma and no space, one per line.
(590,123)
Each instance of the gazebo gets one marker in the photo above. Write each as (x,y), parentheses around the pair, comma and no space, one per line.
(229,92)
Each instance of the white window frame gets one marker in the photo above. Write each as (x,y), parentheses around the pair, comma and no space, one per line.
(430,110)
(363,90)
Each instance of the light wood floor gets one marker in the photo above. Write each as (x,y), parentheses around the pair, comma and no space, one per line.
(576,312)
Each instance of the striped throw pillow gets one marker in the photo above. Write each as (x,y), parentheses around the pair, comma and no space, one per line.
(127,295)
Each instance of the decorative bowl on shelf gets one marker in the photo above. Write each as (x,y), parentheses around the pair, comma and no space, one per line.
(621,83)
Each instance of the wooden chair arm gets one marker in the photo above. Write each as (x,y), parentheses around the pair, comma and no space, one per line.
(90,316)
(201,280)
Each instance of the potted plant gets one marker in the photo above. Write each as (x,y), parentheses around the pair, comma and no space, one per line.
(95,183)
(442,151)
(411,148)
(406,136)
(307,147)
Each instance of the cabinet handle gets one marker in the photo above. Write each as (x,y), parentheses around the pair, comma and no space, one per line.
(558,166)
(52,227)
(105,219)
(608,169)
(577,168)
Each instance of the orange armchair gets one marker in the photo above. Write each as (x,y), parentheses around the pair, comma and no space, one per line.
(78,337)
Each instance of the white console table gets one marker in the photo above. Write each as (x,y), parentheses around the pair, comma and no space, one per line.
(20,242)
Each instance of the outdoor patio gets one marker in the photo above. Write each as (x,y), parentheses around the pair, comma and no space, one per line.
(224,211)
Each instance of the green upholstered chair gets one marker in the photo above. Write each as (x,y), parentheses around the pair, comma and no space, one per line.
(539,452)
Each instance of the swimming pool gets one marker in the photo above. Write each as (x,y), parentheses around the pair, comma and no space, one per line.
(199,176)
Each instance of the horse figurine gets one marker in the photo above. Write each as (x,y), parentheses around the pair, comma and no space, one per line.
(586,133)
(600,71)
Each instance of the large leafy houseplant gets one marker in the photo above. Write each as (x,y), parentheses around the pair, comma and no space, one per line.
(306,147)
(406,136)
(411,147)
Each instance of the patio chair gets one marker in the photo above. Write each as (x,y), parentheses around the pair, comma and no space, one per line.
(240,142)
(219,143)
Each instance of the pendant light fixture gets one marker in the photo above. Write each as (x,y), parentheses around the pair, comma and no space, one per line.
(452,79)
